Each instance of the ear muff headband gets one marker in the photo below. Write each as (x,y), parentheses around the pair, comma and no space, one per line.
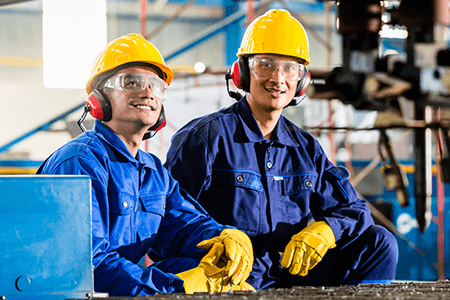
(158,125)
(240,73)
(99,106)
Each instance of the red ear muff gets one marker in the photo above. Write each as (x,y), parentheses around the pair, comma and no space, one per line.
(161,121)
(99,106)
(158,125)
(303,83)
(235,76)
(244,73)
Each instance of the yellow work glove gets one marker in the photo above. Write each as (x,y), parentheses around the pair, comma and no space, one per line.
(211,276)
(307,248)
(238,251)
(243,287)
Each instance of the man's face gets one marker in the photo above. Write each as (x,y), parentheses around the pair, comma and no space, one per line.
(273,80)
(136,95)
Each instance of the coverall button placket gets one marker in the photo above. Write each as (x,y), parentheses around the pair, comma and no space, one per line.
(269,163)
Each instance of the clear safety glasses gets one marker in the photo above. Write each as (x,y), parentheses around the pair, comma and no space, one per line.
(265,67)
(137,82)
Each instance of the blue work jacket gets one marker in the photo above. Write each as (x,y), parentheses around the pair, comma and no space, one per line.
(266,188)
(136,207)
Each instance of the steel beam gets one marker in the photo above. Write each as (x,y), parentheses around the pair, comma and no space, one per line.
(43,127)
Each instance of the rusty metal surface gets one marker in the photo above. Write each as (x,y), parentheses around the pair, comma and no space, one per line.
(395,291)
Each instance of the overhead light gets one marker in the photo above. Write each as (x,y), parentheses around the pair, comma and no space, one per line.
(394,32)
(74,33)
(199,67)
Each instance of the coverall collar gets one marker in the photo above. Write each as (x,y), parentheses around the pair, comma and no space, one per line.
(110,137)
(281,132)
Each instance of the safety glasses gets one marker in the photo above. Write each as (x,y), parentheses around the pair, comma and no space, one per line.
(137,82)
(265,67)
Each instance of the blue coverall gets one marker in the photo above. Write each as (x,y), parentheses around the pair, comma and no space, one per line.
(268,188)
(136,206)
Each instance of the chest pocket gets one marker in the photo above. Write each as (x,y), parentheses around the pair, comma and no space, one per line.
(237,178)
(298,183)
(154,204)
(124,204)
(236,199)
(148,218)
(296,196)
(121,225)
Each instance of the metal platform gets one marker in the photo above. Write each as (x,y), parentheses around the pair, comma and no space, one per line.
(396,291)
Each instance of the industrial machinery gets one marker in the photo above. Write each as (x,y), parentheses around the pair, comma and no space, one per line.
(419,74)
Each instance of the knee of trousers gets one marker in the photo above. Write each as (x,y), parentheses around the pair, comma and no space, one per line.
(383,240)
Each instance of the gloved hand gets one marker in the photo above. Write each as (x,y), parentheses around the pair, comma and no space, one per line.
(243,287)
(211,276)
(238,251)
(307,248)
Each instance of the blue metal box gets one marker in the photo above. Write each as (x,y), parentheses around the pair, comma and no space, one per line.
(45,237)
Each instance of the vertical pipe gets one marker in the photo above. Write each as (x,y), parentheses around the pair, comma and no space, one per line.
(441,254)
(250,12)
(331,133)
(348,149)
(422,149)
(328,26)
(422,173)
(143,16)
(440,194)
(330,102)
(166,22)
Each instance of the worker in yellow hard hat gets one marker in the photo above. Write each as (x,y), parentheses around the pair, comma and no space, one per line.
(137,207)
(252,168)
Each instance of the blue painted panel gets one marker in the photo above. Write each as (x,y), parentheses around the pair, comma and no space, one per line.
(45,237)
(418,263)
(421,264)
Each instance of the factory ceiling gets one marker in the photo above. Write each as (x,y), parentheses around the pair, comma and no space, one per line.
(8,2)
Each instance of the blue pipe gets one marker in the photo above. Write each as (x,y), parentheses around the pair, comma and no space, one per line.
(44,127)
(220,26)
(208,33)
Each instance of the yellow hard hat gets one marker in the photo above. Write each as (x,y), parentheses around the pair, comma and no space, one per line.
(131,48)
(276,32)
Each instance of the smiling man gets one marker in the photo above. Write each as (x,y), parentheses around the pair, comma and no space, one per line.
(137,207)
(252,168)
